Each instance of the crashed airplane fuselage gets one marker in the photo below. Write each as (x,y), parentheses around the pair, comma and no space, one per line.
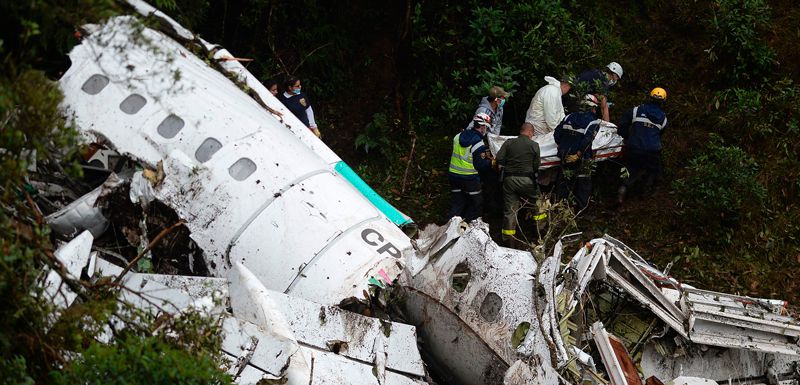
(250,190)
(268,202)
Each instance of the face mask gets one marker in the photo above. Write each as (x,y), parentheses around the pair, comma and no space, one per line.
(296,91)
(612,82)
(502,102)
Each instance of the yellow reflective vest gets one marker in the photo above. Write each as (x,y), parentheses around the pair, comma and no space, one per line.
(461,160)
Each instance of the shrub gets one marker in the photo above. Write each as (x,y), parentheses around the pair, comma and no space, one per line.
(376,134)
(738,26)
(139,360)
(721,186)
(460,50)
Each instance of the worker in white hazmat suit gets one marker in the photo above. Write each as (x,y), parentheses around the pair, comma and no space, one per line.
(546,110)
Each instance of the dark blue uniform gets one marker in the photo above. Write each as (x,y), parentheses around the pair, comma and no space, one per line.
(575,134)
(642,128)
(465,190)
(297,104)
(595,81)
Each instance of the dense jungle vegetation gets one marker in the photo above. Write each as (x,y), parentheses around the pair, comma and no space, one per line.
(391,83)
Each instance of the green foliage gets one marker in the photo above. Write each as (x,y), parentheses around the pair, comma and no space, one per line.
(33,342)
(139,360)
(15,371)
(721,187)
(376,134)
(474,46)
(38,33)
(738,26)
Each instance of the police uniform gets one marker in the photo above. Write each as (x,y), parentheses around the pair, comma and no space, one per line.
(642,128)
(574,135)
(520,158)
(465,184)
(298,105)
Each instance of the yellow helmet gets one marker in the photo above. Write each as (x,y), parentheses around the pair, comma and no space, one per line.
(658,93)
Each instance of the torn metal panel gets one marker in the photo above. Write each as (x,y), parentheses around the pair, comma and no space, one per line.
(325,239)
(748,331)
(616,359)
(74,256)
(546,304)
(691,381)
(644,283)
(469,301)
(274,336)
(255,354)
(432,241)
(145,292)
(675,323)
(329,328)
(719,319)
(589,263)
(720,364)
(83,213)
(330,369)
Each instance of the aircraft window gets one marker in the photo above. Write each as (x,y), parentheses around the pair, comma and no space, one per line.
(460,277)
(519,334)
(242,169)
(170,126)
(132,104)
(491,306)
(207,149)
(94,84)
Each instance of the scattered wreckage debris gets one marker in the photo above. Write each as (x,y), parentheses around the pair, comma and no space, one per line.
(607,317)
(267,335)
(278,232)
(474,304)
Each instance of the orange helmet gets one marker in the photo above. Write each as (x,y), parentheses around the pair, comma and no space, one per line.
(658,93)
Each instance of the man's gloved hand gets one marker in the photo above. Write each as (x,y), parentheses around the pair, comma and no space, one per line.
(572,158)
(316,132)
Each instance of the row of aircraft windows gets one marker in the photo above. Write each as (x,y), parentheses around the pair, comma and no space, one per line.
(170,127)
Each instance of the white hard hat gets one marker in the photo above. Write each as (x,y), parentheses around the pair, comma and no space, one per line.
(615,68)
(483,119)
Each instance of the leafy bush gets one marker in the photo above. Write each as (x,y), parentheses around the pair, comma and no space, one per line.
(462,49)
(738,26)
(721,187)
(376,134)
(36,37)
(139,360)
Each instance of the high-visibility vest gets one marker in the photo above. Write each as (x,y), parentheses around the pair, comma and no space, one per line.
(461,160)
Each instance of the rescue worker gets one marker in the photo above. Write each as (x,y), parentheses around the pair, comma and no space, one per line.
(492,105)
(546,109)
(642,128)
(574,137)
(297,102)
(469,155)
(519,160)
(545,112)
(599,82)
